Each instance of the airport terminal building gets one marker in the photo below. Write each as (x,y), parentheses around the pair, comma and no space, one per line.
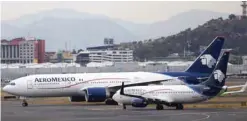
(109,52)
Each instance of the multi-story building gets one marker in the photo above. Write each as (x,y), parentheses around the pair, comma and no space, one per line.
(244,58)
(82,58)
(28,52)
(48,56)
(20,50)
(111,55)
(108,52)
(41,50)
(97,55)
(119,56)
(62,56)
(10,50)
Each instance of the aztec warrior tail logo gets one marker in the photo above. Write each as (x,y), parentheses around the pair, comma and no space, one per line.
(208,60)
(218,75)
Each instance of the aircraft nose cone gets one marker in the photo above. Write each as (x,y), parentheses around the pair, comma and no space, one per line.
(114,97)
(6,88)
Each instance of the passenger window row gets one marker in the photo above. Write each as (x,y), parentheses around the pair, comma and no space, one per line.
(172,92)
(101,82)
(177,92)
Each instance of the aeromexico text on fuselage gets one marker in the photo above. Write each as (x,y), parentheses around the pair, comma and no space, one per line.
(190,77)
(55,79)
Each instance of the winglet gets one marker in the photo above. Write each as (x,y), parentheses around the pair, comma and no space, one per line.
(122,89)
(239,91)
(244,87)
(227,50)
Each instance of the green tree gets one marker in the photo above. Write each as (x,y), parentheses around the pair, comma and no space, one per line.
(232,16)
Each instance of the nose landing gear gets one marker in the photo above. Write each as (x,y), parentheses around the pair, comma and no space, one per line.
(24,103)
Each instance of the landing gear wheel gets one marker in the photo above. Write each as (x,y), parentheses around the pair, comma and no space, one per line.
(179,107)
(24,103)
(124,107)
(110,102)
(159,107)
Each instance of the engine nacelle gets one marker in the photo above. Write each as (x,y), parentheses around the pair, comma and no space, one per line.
(77,99)
(96,94)
(138,102)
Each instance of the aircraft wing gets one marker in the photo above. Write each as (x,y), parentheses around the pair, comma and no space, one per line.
(160,99)
(116,87)
(153,99)
(234,92)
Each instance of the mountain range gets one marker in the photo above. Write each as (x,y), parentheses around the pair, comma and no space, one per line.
(66,27)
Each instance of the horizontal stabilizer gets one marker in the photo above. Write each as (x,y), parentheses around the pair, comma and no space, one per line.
(239,91)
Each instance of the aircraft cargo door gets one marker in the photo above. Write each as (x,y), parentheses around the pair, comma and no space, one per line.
(29,84)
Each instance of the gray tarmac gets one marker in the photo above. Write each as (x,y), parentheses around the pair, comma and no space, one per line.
(13,111)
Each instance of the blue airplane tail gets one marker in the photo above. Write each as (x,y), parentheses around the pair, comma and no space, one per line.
(216,81)
(206,61)
(217,78)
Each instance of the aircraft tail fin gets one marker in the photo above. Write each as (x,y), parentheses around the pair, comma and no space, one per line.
(217,78)
(206,61)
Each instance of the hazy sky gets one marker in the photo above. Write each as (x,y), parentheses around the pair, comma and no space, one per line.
(140,12)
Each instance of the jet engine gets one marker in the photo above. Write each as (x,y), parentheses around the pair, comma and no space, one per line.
(76,98)
(138,102)
(96,94)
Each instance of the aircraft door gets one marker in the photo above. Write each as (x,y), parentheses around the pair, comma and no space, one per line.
(29,84)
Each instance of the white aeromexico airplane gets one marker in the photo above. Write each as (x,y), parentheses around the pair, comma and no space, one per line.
(92,87)
(177,95)
(97,87)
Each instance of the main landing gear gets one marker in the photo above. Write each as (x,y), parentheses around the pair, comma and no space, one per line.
(124,107)
(159,107)
(24,103)
(110,102)
(179,107)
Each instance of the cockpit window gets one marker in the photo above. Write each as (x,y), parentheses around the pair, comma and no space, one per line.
(12,83)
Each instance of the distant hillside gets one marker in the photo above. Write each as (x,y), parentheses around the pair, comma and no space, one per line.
(234,29)
(80,30)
